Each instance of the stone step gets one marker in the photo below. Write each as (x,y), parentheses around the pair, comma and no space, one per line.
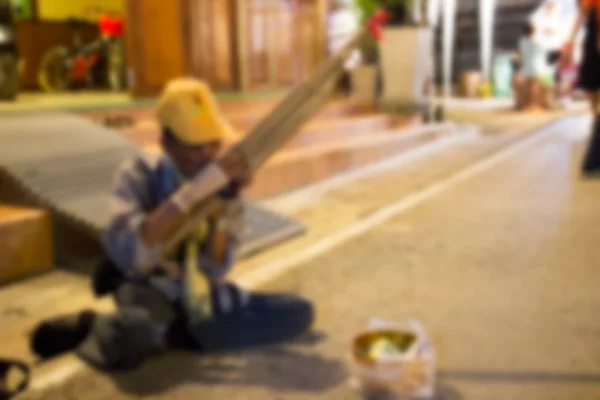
(335,131)
(296,168)
(328,147)
(148,111)
(244,113)
(147,133)
(26,245)
(343,136)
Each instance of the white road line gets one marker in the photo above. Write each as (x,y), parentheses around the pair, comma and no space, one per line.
(58,375)
(275,269)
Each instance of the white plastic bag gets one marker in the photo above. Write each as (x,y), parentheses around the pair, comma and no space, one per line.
(409,375)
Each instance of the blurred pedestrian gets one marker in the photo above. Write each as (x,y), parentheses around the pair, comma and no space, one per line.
(534,67)
(589,72)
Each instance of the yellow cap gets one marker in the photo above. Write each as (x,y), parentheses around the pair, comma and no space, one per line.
(187,107)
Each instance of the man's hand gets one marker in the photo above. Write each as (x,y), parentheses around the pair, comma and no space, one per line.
(566,55)
(235,166)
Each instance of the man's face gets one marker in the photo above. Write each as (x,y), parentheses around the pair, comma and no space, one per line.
(191,159)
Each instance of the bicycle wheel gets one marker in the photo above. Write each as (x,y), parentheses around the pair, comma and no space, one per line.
(9,76)
(53,75)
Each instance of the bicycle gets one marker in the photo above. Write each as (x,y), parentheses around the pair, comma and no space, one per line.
(9,57)
(63,68)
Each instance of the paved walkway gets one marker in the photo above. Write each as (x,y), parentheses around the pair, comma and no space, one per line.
(500,263)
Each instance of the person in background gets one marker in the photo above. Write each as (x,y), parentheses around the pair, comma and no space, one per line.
(518,82)
(343,24)
(549,28)
(550,22)
(533,55)
(589,73)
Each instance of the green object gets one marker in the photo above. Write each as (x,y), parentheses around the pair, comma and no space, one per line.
(547,80)
(367,8)
(484,90)
(502,76)
(22,8)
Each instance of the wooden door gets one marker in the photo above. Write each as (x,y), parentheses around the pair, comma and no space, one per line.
(306,29)
(287,60)
(212,41)
(155,44)
(258,36)
(281,39)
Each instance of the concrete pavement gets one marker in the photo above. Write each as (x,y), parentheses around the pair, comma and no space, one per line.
(501,267)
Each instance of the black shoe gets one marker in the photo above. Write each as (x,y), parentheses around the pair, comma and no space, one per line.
(58,335)
(6,366)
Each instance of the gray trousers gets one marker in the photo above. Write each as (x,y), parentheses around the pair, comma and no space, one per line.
(266,319)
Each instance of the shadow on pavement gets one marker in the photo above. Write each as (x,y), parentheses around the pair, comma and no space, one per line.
(519,376)
(445,392)
(277,368)
(442,392)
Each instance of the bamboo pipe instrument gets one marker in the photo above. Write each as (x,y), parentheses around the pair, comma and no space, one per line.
(281,124)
